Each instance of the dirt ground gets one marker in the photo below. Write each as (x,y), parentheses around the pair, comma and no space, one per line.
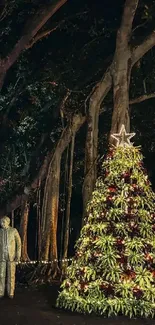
(37,307)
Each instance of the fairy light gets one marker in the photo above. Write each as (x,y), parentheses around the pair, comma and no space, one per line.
(44,262)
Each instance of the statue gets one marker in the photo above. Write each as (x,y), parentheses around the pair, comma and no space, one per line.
(10,254)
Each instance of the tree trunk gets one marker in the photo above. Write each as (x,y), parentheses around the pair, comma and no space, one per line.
(121,82)
(38,236)
(120,95)
(52,207)
(91,146)
(50,212)
(65,181)
(90,171)
(67,220)
(51,193)
(121,71)
(23,230)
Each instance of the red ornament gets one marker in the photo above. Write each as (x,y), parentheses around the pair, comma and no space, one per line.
(130,200)
(106,173)
(126,174)
(137,292)
(122,259)
(103,286)
(110,153)
(97,254)
(128,275)
(68,284)
(83,285)
(135,186)
(109,156)
(120,241)
(109,198)
(132,274)
(112,189)
(132,224)
(79,254)
(148,257)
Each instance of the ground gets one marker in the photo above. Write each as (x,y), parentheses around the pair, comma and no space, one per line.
(37,307)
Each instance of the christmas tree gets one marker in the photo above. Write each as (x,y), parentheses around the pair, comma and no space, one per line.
(113,271)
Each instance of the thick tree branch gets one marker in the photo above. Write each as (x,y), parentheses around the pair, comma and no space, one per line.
(103,87)
(132,101)
(101,90)
(122,69)
(127,20)
(43,34)
(47,32)
(30,30)
(143,48)
(3,9)
(141,98)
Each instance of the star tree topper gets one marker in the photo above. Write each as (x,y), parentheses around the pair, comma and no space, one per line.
(123,138)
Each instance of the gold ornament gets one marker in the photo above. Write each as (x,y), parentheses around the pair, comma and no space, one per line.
(123,138)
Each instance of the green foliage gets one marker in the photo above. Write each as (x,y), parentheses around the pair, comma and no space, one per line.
(37,83)
(113,269)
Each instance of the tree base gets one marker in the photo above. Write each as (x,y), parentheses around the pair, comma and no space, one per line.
(45,274)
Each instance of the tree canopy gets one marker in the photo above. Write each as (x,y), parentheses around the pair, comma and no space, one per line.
(52,57)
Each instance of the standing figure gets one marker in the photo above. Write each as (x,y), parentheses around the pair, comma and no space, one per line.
(10,254)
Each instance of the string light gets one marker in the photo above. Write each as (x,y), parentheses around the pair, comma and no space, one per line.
(44,262)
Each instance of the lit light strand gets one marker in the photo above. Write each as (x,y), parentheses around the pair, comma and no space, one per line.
(44,262)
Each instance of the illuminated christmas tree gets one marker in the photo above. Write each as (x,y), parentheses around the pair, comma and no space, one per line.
(113,271)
